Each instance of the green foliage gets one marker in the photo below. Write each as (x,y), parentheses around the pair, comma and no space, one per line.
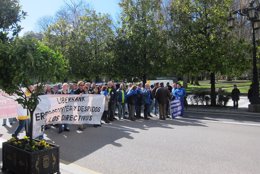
(27,62)
(86,46)
(141,41)
(10,16)
(242,85)
(202,41)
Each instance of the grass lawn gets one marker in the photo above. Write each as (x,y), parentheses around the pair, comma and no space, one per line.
(243,86)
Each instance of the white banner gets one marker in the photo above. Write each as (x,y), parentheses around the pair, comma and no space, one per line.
(175,108)
(8,105)
(67,109)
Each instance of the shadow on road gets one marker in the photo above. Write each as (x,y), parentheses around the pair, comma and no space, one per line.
(75,145)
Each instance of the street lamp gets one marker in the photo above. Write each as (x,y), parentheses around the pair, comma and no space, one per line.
(253,15)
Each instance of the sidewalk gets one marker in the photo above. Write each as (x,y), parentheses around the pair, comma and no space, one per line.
(240,112)
(65,168)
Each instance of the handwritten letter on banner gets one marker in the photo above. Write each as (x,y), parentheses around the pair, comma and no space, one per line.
(67,109)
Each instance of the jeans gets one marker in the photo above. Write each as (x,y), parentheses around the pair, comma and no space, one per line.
(155,107)
(21,125)
(146,110)
(121,110)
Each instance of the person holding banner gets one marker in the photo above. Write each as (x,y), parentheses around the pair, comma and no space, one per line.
(81,91)
(112,101)
(107,97)
(64,90)
(179,94)
(23,116)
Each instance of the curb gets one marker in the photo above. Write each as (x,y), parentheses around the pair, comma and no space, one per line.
(239,112)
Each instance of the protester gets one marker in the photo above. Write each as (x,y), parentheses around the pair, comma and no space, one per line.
(107,97)
(64,90)
(155,105)
(23,115)
(180,94)
(147,100)
(162,95)
(121,100)
(112,101)
(80,90)
(131,99)
(139,101)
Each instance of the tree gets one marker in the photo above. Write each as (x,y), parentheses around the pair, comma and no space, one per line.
(89,49)
(201,39)
(10,16)
(26,62)
(141,39)
(83,37)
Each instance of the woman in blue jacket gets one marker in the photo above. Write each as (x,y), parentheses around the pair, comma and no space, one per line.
(179,94)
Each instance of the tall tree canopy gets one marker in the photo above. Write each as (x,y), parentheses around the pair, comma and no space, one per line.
(140,39)
(10,16)
(201,38)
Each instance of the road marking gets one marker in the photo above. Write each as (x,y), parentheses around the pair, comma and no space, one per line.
(224,122)
(119,128)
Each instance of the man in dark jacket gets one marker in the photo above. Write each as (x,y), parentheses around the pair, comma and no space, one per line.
(112,101)
(235,94)
(163,96)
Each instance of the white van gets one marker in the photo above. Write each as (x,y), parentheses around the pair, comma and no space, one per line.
(152,82)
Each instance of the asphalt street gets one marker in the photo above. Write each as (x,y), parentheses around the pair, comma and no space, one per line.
(205,142)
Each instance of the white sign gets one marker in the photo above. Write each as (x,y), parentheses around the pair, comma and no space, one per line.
(67,109)
(175,108)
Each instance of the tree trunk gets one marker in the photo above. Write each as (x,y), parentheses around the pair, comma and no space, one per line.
(31,125)
(144,80)
(185,84)
(196,81)
(213,89)
(192,80)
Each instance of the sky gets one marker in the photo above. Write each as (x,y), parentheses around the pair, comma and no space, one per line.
(39,8)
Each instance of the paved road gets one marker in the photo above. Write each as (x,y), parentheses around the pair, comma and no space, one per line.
(203,143)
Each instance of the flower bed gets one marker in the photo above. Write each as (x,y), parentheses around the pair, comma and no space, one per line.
(25,157)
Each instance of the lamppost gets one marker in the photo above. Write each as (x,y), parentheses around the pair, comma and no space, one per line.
(253,15)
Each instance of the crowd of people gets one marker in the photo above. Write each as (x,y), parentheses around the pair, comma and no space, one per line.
(124,100)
